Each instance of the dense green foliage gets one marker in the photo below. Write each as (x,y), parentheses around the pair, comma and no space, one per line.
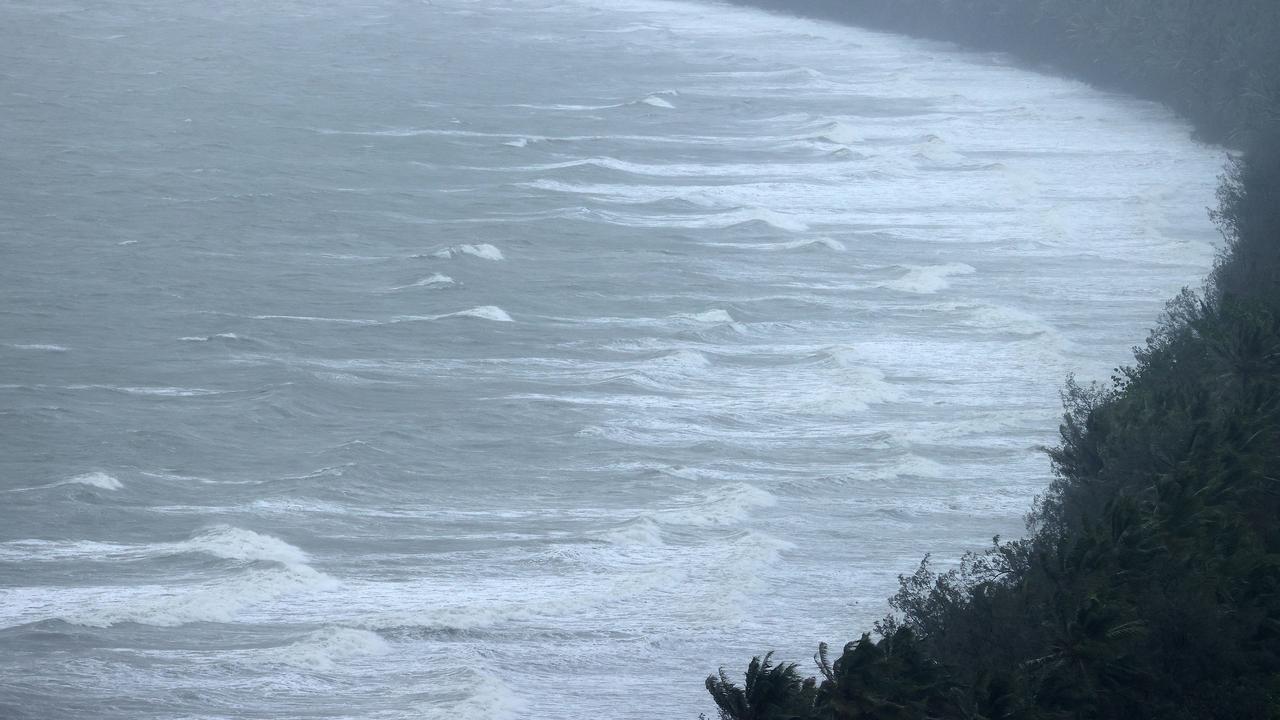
(1149,585)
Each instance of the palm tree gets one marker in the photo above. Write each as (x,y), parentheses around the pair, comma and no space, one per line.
(770,692)
(889,680)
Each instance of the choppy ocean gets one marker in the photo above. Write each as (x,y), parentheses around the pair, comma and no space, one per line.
(527,359)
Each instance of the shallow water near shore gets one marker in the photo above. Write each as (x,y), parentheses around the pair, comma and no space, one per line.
(461,360)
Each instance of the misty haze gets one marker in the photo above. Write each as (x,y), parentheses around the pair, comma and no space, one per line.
(527,359)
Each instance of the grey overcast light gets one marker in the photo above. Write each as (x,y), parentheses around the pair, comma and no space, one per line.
(504,359)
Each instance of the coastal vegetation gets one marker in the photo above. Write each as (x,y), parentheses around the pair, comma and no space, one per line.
(1148,585)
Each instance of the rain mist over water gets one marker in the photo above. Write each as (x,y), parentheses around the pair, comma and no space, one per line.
(520,359)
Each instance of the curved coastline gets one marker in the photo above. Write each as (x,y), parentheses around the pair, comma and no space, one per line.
(1214,64)
(1147,585)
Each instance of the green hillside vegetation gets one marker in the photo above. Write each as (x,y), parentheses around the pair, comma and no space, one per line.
(1149,583)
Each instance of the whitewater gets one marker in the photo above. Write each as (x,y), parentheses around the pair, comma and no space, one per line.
(523,359)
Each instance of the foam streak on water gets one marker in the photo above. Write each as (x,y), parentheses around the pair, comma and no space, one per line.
(526,360)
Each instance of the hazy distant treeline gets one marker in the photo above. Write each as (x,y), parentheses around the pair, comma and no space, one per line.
(1149,584)
(1217,62)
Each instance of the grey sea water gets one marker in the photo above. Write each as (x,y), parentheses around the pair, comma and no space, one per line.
(527,359)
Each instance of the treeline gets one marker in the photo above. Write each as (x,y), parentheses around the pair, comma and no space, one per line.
(1216,62)
(1149,583)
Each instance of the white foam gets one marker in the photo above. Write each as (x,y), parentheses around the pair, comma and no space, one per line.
(838,133)
(165,391)
(348,256)
(935,149)
(723,505)
(209,338)
(569,107)
(842,356)
(217,601)
(94,479)
(483,312)
(691,170)
(683,359)
(1010,320)
(150,391)
(658,102)
(233,543)
(517,143)
(856,389)
(820,242)
(311,318)
(715,315)
(914,466)
(36,347)
(326,648)
(782,221)
(433,280)
(642,531)
(484,251)
(743,216)
(51,550)
(490,700)
(226,542)
(928,279)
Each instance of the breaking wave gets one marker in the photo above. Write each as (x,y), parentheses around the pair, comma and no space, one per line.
(94,479)
(326,648)
(928,279)
(484,251)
